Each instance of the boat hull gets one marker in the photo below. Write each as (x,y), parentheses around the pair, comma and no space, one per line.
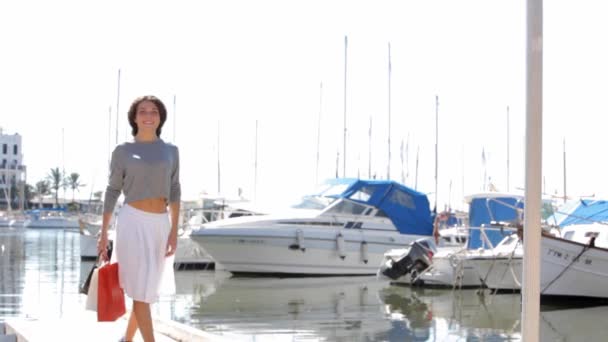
(561,275)
(500,273)
(297,251)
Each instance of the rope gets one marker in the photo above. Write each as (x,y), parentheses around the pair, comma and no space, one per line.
(585,248)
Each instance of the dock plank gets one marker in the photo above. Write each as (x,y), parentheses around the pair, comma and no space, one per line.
(84,327)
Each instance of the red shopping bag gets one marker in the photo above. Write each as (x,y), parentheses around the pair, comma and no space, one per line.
(110,296)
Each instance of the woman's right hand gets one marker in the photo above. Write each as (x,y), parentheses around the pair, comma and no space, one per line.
(102,246)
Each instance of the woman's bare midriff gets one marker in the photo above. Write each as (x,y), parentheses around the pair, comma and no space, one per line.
(151,205)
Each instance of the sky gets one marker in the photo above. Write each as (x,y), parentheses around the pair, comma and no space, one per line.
(221,67)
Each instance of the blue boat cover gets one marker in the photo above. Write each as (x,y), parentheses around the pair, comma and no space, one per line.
(581,211)
(483,210)
(408,209)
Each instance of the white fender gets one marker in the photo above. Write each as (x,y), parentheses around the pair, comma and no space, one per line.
(364,252)
(341,246)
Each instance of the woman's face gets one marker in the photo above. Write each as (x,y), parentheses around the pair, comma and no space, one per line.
(147,117)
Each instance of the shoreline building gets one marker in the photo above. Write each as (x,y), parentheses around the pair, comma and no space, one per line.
(12,172)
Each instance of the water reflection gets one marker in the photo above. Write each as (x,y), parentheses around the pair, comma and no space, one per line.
(350,308)
(40,273)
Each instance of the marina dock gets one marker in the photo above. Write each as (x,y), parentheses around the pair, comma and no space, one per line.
(83,326)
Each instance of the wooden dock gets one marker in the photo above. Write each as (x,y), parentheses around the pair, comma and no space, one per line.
(84,327)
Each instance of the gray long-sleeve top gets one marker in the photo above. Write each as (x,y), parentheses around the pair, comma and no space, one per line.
(143,170)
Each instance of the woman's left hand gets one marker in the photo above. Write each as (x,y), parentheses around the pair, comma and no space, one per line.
(171,244)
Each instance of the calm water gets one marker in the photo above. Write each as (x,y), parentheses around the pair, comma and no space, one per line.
(40,272)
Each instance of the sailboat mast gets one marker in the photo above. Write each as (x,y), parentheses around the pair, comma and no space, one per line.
(63,159)
(416,177)
(109,134)
(219,189)
(318,132)
(117,106)
(369,158)
(436,146)
(462,166)
(508,151)
(174,117)
(255,165)
(345,68)
(565,193)
(388,167)
(402,163)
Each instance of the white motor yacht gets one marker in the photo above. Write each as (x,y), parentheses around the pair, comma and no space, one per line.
(343,229)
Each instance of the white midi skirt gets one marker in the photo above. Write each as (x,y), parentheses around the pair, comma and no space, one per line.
(144,272)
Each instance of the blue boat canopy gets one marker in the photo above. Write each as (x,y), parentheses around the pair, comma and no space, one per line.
(485,208)
(582,211)
(408,209)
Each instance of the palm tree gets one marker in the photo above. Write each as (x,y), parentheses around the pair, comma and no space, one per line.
(22,194)
(73,182)
(56,180)
(43,188)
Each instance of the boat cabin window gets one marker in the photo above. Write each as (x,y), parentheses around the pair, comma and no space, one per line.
(334,190)
(363,194)
(347,207)
(381,213)
(402,198)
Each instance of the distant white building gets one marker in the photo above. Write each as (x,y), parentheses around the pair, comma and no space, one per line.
(12,170)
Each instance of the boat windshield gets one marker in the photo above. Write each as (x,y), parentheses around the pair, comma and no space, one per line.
(313,202)
(322,197)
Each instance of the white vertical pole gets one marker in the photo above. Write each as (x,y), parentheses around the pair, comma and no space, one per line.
(532,231)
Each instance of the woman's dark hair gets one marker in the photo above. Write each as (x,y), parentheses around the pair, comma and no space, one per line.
(161,110)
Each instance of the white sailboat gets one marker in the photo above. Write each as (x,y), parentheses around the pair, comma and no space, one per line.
(455,266)
(574,264)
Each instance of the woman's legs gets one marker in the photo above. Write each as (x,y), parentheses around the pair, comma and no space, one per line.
(131,326)
(143,320)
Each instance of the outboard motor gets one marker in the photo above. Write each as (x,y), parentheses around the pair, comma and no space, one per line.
(418,258)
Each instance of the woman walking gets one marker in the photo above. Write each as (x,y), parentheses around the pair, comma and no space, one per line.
(146,171)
